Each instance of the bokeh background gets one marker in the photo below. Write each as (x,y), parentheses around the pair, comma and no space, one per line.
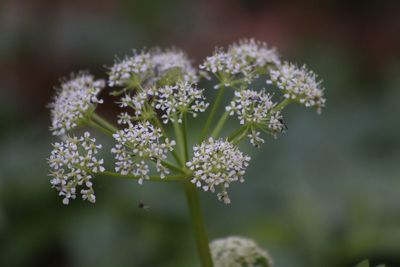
(327,193)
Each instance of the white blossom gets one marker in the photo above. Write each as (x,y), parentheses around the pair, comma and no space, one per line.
(228,67)
(76,97)
(242,61)
(125,118)
(147,68)
(299,84)
(255,53)
(170,60)
(217,163)
(137,103)
(138,144)
(137,67)
(238,252)
(73,163)
(175,100)
(256,109)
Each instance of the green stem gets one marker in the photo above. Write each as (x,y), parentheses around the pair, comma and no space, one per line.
(152,177)
(236,133)
(283,104)
(185,142)
(212,113)
(220,124)
(172,167)
(103,123)
(239,138)
(179,137)
(198,225)
(99,127)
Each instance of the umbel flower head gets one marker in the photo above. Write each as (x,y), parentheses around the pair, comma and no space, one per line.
(152,67)
(137,103)
(173,65)
(156,90)
(241,63)
(255,53)
(223,64)
(75,98)
(73,163)
(298,84)
(256,109)
(135,68)
(138,144)
(239,252)
(217,163)
(175,100)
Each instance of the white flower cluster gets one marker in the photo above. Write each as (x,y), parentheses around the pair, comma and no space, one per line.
(299,84)
(217,163)
(223,63)
(242,60)
(72,164)
(138,144)
(163,62)
(256,109)
(255,53)
(137,67)
(75,99)
(239,252)
(179,98)
(150,67)
(137,102)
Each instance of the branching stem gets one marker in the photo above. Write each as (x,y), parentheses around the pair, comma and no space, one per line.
(212,113)
(156,178)
(220,124)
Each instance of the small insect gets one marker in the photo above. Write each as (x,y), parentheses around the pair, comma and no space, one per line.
(285,128)
(255,98)
(141,205)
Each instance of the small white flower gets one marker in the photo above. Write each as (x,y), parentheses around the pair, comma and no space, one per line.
(299,84)
(174,100)
(135,68)
(239,252)
(217,163)
(256,110)
(125,118)
(147,68)
(73,164)
(136,102)
(222,62)
(228,67)
(255,53)
(244,60)
(173,60)
(138,144)
(74,100)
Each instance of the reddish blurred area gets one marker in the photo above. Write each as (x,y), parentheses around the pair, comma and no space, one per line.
(44,40)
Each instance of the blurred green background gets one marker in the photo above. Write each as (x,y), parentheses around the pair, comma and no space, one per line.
(326,193)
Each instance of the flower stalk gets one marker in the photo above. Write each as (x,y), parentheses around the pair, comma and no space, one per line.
(196,216)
